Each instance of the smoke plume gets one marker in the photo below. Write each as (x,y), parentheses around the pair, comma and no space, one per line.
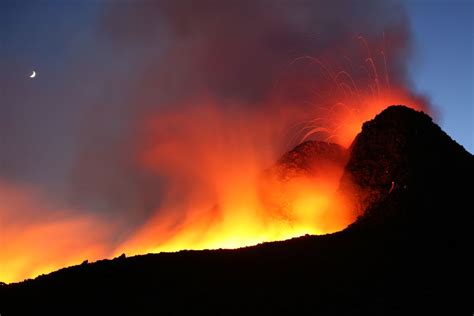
(176,107)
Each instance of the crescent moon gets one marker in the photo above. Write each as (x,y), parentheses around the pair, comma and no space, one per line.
(33,74)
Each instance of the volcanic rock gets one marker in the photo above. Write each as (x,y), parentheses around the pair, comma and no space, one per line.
(402,158)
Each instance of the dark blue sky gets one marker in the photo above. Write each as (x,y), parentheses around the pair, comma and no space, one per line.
(443,65)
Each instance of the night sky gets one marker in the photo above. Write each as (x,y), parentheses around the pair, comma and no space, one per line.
(443,65)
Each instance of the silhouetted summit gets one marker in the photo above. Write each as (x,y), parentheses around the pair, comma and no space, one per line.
(408,252)
(402,158)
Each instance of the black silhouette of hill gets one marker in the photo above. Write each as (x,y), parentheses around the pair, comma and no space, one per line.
(408,254)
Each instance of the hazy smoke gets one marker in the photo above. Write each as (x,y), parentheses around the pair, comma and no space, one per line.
(79,137)
(236,52)
(239,49)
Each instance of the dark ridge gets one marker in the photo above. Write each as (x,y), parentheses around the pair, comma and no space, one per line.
(402,156)
(408,254)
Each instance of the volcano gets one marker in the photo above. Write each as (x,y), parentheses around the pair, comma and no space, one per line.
(408,252)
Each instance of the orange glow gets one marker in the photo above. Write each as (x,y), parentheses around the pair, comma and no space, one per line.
(216,195)
(32,245)
(214,163)
(348,119)
(211,157)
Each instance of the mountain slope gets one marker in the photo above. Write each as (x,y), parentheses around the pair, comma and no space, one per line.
(408,253)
